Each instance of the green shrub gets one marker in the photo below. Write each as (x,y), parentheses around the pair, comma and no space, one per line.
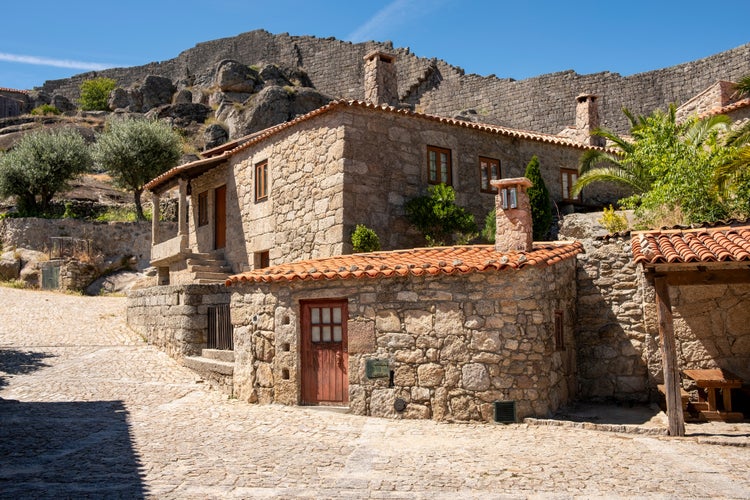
(490,227)
(365,239)
(45,109)
(95,94)
(438,217)
(541,209)
(612,221)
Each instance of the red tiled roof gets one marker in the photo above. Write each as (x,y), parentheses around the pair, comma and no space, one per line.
(416,262)
(722,244)
(17,91)
(742,103)
(252,139)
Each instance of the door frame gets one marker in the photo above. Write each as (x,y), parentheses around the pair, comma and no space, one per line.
(220,217)
(306,352)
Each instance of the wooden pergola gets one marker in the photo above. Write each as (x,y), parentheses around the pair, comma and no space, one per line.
(707,256)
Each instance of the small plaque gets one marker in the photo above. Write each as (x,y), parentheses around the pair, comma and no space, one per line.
(377,368)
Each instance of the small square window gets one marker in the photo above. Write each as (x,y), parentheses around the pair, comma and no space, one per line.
(262,259)
(261,181)
(203,208)
(489,170)
(439,169)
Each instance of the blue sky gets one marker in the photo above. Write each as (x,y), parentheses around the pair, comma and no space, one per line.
(517,39)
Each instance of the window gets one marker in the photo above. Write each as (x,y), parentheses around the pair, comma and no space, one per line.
(568,177)
(438,165)
(261,181)
(489,170)
(559,331)
(262,259)
(203,208)
(326,323)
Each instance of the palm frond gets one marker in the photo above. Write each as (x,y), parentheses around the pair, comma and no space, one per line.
(743,86)
(610,173)
(700,130)
(739,137)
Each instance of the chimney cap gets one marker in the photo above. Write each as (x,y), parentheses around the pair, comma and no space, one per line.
(585,95)
(512,181)
(380,54)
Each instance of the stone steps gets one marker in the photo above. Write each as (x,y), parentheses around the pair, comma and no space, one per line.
(209,267)
(218,355)
(215,367)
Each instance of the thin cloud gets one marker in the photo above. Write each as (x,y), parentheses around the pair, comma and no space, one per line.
(395,12)
(57,63)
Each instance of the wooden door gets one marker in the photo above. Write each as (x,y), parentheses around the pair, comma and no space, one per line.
(325,358)
(220,218)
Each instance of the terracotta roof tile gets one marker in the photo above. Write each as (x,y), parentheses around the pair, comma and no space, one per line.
(742,103)
(245,142)
(16,91)
(720,244)
(415,262)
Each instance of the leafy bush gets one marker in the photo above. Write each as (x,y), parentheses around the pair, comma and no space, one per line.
(45,109)
(365,239)
(40,166)
(438,217)
(541,209)
(95,94)
(612,221)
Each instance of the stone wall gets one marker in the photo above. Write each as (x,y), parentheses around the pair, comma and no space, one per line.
(174,318)
(110,239)
(455,344)
(544,103)
(614,349)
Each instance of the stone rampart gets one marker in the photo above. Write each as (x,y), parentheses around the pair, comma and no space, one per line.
(545,103)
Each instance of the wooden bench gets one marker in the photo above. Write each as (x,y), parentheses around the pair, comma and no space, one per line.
(684,395)
(711,381)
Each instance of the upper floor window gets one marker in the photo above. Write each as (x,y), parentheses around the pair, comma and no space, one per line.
(203,208)
(568,178)
(439,165)
(489,170)
(261,181)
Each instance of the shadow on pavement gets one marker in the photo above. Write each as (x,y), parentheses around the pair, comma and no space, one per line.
(67,450)
(15,362)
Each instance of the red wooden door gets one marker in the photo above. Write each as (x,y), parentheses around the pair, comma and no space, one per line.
(325,359)
(220,218)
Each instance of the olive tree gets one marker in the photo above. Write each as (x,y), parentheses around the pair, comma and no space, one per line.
(40,165)
(134,151)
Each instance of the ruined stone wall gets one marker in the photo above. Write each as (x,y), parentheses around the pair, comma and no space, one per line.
(174,318)
(109,239)
(544,103)
(455,344)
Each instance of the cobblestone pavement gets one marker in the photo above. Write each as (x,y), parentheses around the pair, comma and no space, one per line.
(89,410)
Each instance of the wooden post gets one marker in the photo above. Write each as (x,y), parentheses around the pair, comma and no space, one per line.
(669,357)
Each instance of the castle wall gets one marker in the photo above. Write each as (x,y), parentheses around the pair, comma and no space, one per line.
(545,103)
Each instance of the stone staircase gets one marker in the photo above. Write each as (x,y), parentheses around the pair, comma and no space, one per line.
(208,267)
(215,367)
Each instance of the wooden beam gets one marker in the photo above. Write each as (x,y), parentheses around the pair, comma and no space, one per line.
(669,357)
(708,277)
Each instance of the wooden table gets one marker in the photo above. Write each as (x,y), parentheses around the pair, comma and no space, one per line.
(713,380)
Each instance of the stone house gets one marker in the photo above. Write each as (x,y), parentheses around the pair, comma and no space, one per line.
(12,102)
(445,333)
(297,190)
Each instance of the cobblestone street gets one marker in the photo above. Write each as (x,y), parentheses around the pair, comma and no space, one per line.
(88,409)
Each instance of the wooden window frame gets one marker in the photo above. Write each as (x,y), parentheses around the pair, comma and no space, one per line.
(262,259)
(559,330)
(567,178)
(485,167)
(438,172)
(261,181)
(203,209)
(329,305)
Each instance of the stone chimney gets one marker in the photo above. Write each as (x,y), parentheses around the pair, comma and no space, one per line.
(514,230)
(587,119)
(381,82)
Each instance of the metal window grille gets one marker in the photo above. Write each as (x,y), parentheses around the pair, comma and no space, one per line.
(220,328)
(505,412)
